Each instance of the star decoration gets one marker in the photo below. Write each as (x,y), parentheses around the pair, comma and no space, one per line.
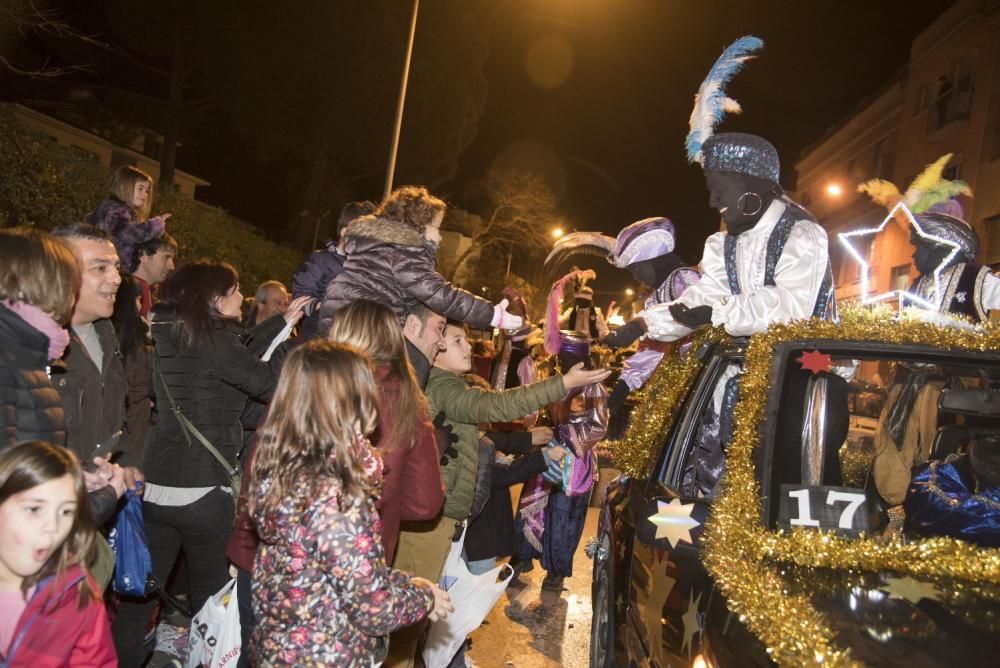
(815,361)
(960,297)
(674,522)
(865,269)
(692,622)
(909,589)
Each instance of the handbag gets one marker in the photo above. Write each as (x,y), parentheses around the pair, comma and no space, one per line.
(215,639)
(188,429)
(133,573)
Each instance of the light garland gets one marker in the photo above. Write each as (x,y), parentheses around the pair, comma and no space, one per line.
(741,554)
(900,294)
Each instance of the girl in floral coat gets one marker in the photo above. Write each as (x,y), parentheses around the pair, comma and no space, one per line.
(322,592)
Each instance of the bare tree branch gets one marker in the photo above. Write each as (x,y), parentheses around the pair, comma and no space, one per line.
(29,19)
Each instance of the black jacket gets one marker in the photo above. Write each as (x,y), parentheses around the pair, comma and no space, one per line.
(491,533)
(211,381)
(30,408)
(390,263)
(93,399)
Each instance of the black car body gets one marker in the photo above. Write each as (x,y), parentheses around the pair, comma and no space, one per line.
(778,576)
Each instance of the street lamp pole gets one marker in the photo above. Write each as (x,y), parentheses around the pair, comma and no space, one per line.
(391,170)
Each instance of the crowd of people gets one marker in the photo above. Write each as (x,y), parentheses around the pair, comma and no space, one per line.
(331,446)
(325,447)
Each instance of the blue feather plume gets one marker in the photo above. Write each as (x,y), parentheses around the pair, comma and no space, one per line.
(711,103)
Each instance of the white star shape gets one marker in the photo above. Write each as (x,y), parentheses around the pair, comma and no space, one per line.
(692,622)
(674,522)
(865,269)
(960,297)
(909,589)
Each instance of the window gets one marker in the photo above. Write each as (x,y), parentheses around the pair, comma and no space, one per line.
(698,455)
(899,279)
(830,424)
(992,225)
(921,100)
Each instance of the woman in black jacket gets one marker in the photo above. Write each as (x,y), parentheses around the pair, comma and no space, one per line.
(39,279)
(203,369)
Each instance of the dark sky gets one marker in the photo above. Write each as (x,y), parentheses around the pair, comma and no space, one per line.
(608,133)
(613,133)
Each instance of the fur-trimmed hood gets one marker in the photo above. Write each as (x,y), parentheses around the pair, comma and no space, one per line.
(372,231)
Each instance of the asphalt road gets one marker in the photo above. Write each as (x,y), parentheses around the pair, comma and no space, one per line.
(531,628)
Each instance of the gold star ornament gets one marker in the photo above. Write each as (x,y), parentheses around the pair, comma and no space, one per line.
(674,522)
(909,589)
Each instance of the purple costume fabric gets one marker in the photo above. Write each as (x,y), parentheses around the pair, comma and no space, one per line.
(640,366)
(126,232)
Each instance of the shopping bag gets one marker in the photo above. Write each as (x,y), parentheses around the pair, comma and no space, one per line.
(473,596)
(215,631)
(133,574)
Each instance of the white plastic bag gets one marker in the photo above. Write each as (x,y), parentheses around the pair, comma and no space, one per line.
(215,639)
(473,597)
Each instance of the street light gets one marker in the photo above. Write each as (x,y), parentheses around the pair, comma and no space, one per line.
(834,190)
(398,126)
(629,292)
(557,232)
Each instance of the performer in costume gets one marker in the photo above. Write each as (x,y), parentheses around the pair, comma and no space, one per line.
(513,366)
(551,515)
(909,420)
(967,289)
(772,262)
(645,248)
(583,317)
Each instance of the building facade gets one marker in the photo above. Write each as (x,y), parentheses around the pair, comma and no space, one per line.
(945,100)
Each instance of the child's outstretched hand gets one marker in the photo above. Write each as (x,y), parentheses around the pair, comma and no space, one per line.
(578,376)
(442,602)
(503,319)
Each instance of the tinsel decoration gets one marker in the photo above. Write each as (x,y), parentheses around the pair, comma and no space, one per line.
(741,554)
(634,453)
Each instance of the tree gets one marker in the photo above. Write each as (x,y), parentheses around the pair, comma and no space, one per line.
(519,207)
(33,18)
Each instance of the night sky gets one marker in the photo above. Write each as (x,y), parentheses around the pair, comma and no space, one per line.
(605,117)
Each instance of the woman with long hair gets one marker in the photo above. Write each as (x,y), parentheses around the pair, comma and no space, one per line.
(411,488)
(51,611)
(203,370)
(322,592)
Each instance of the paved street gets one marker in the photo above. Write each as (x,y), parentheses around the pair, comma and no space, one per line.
(531,628)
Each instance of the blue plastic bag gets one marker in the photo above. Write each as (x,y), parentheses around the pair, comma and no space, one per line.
(133,567)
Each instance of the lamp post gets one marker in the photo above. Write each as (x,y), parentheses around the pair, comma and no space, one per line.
(398,126)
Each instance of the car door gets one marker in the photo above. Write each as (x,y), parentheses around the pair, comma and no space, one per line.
(668,588)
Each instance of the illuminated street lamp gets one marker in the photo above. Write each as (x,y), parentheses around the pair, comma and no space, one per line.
(629,292)
(557,232)
(834,190)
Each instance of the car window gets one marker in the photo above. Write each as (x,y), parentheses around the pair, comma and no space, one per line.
(887,443)
(697,467)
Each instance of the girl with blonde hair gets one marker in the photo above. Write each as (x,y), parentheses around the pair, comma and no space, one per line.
(322,592)
(124,214)
(411,488)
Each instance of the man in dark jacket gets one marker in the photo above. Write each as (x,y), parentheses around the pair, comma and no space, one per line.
(90,377)
(320,267)
(423,330)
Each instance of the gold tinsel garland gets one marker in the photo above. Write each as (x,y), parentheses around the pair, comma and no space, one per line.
(737,547)
(634,453)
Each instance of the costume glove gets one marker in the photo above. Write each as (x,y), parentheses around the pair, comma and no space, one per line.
(503,319)
(625,335)
(691,317)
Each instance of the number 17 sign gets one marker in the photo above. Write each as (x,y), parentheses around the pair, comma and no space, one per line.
(840,509)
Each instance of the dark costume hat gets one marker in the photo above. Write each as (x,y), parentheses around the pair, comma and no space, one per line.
(732,151)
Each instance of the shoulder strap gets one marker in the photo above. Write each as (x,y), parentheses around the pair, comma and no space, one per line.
(187,427)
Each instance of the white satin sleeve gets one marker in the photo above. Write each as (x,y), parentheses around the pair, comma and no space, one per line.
(797,280)
(710,290)
(990,296)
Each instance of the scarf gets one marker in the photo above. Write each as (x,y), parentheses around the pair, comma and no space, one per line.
(44,323)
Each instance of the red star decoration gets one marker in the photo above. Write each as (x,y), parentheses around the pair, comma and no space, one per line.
(815,361)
